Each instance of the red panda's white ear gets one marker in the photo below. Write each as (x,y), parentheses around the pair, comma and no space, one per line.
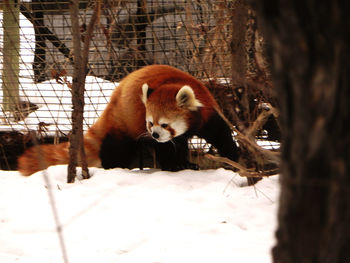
(145,93)
(185,98)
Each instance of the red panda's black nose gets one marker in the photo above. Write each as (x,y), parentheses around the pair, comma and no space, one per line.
(155,135)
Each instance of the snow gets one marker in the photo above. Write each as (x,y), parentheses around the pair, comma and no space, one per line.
(122,215)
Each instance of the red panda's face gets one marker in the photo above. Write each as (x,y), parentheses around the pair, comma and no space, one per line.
(167,114)
(164,129)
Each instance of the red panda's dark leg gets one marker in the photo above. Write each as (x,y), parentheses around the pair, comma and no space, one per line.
(172,156)
(217,133)
(117,151)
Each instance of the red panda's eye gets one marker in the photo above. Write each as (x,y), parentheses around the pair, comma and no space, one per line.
(164,125)
(150,123)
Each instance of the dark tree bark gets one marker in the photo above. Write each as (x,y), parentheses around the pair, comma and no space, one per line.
(239,59)
(311,71)
(75,138)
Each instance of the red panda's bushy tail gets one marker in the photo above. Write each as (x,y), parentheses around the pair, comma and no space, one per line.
(40,157)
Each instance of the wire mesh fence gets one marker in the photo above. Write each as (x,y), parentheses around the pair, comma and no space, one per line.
(195,36)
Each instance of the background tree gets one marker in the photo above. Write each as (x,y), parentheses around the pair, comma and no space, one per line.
(311,71)
(81,58)
(10,55)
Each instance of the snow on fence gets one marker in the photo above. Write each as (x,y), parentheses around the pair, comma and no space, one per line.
(53,105)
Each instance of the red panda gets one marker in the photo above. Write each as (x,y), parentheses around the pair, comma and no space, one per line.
(162,102)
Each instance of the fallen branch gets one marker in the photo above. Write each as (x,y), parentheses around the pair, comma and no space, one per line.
(243,171)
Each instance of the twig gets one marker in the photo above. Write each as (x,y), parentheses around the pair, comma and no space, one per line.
(274,157)
(242,171)
(261,119)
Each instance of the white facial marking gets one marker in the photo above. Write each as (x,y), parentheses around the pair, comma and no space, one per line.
(149,119)
(163,121)
(180,126)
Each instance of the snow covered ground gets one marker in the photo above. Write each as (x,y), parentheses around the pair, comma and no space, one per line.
(137,216)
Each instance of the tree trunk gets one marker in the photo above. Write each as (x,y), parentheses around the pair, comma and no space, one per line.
(242,118)
(10,73)
(239,60)
(311,70)
(140,28)
(39,64)
(77,94)
(81,58)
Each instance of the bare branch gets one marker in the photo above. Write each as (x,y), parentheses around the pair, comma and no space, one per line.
(242,171)
(269,155)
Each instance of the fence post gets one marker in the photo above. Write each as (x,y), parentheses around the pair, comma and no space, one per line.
(10,75)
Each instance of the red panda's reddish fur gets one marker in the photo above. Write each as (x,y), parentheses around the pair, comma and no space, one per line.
(125,114)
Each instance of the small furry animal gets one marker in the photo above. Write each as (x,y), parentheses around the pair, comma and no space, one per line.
(160,101)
